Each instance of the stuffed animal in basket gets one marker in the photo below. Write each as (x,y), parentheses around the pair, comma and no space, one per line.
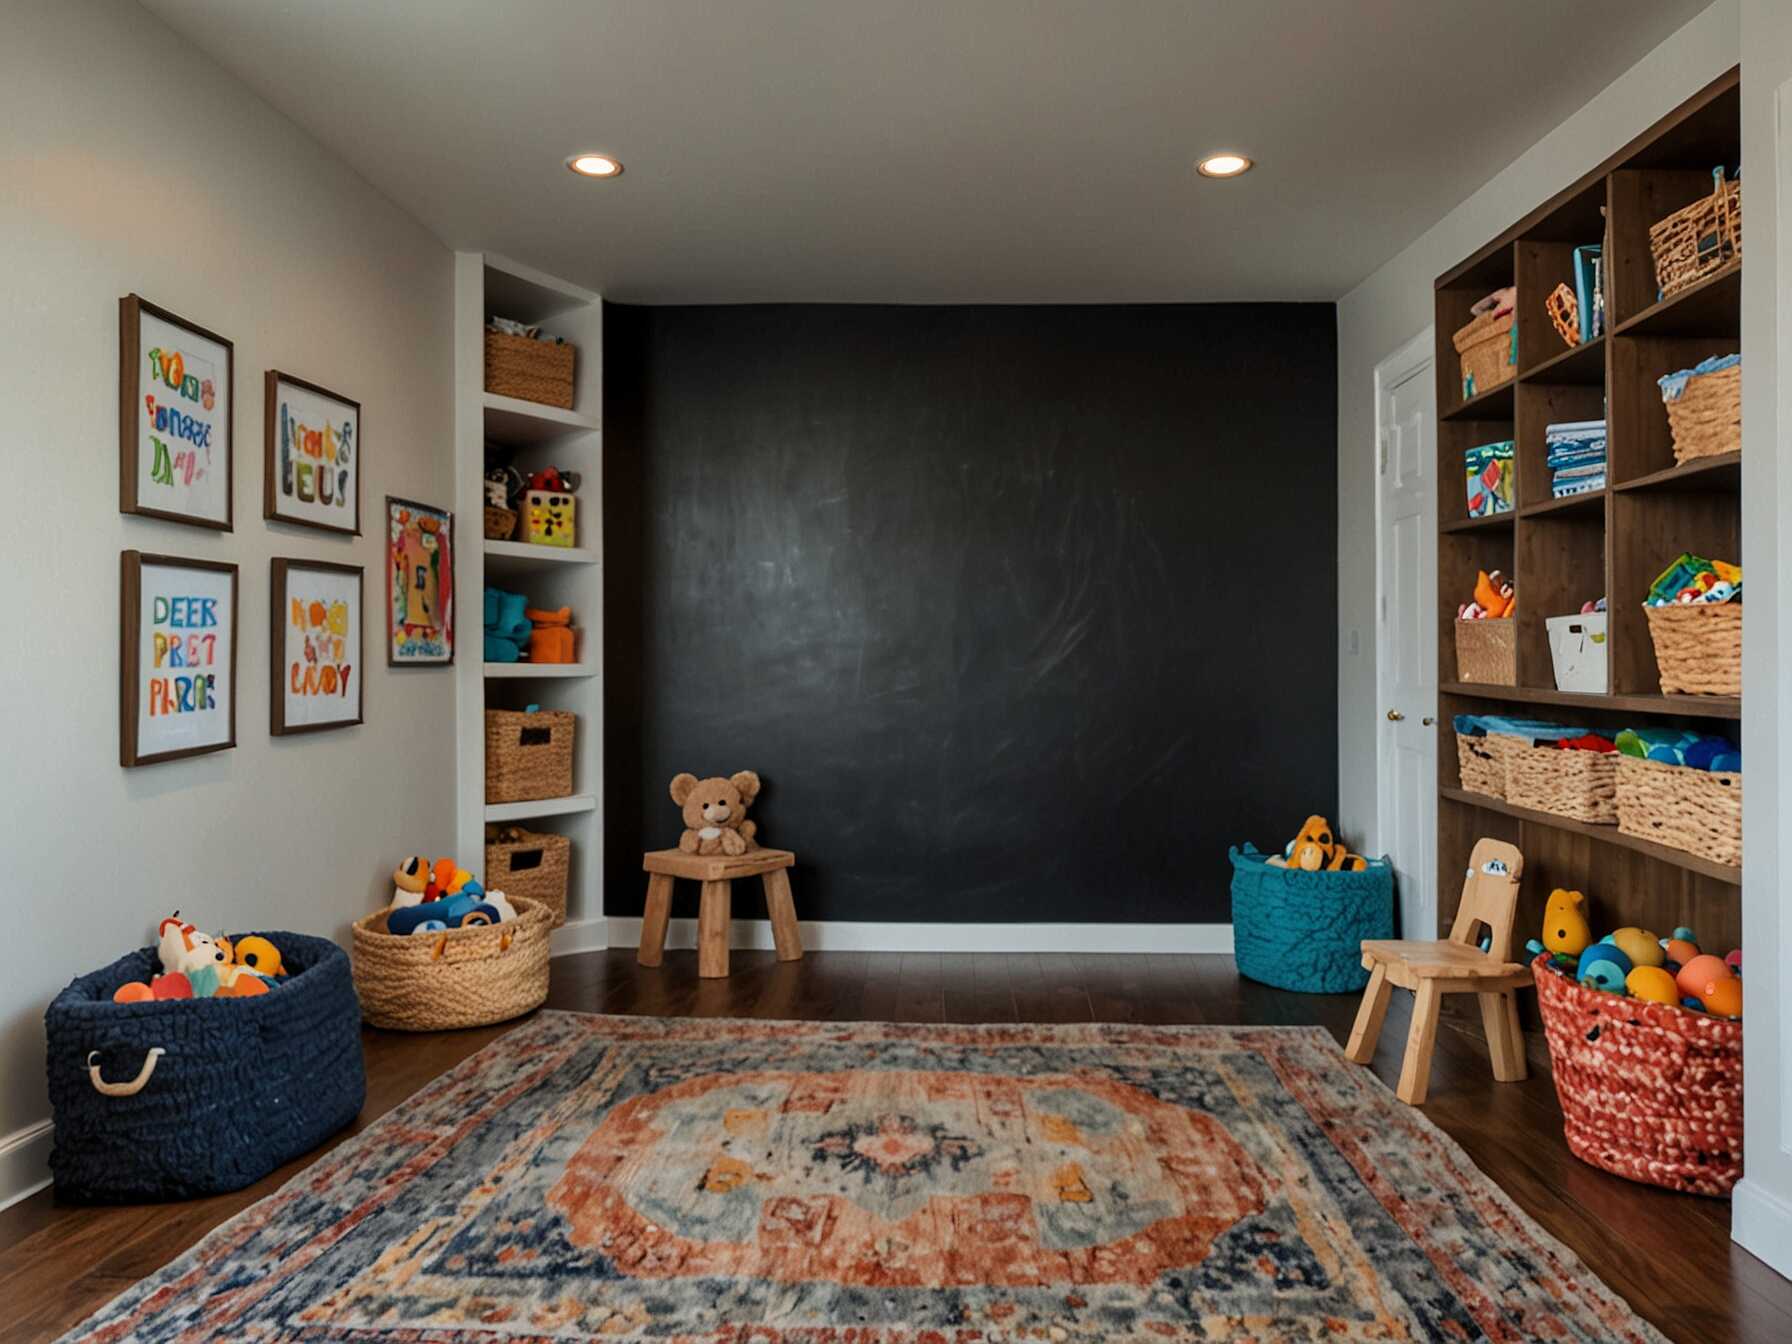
(195,965)
(715,812)
(432,897)
(1317,848)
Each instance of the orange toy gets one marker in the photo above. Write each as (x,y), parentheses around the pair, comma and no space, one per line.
(1494,594)
(1316,847)
(551,639)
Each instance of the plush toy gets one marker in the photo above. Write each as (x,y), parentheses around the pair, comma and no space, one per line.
(1495,598)
(1603,966)
(1316,848)
(257,955)
(1652,983)
(1642,947)
(195,965)
(1566,932)
(507,629)
(409,881)
(551,639)
(715,812)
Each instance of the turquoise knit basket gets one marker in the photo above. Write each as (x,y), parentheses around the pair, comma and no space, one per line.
(1303,931)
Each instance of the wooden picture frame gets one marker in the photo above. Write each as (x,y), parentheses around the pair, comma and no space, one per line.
(302,676)
(168,698)
(178,414)
(301,491)
(409,644)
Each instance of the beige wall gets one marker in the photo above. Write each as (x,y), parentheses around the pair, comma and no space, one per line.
(134,164)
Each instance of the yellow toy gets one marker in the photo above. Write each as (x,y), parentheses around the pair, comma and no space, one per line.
(1642,947)
(1654,984)
(258,955)
(1565,927)
(1316,848)
(409,880)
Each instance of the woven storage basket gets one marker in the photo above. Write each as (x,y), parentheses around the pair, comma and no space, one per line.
(1703,237)
(1578,784)
(499,522)
(528,756)
(529,863)
(458,978)
(1706,418)
(1649,1091)
(1487,652)
(531,370)
(1487,347)
(241,1085)
(1698,647)
(1699,811)
(1483,763)
(1304,931)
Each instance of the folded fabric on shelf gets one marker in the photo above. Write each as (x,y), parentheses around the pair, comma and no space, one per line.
(1532,730)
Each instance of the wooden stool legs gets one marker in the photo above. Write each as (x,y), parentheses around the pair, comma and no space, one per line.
(1369,1017)
(1415,1068)
(783,912)
(714,913)
(712,930)
(653,919)
(1505,1038)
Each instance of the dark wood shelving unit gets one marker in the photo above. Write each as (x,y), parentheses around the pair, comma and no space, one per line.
(1561,552)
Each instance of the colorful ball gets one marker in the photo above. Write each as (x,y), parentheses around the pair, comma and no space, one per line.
(1680,950)
(1652,983)
(1723,998)
(1642,947)
(1603,966)
(1701,971)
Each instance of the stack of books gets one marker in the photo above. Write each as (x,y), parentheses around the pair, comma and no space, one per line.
(1576,457)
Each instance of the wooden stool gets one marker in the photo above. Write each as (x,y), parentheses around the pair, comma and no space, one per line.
(717,873)
(1455,965)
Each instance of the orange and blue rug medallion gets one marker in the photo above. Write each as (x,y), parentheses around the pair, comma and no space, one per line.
(729,1182)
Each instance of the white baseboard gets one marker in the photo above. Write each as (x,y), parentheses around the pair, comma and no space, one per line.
(1761,1223)
(581,935)
(880,936)
(24,1162)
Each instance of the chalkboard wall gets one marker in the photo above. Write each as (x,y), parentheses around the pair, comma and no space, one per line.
(1023,614)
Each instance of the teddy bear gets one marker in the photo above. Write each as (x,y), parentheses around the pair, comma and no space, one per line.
(715,813)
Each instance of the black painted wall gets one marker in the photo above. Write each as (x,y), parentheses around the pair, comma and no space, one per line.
(1023,614)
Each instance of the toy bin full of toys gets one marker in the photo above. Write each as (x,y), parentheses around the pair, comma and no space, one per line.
(1645,1044)
(1299,917)
(201,1064)
(447,953)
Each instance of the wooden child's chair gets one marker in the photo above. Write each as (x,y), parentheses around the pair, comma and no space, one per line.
(1455,965)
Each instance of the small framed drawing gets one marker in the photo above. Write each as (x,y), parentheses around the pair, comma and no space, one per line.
(177,658)
(176,393)
(419,584)
(315,644)
(312,471)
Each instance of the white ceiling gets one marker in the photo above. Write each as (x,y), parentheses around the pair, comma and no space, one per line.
(931,151)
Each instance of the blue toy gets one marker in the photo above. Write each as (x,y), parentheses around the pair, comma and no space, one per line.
(506,627)
(461,910)
(1603,966)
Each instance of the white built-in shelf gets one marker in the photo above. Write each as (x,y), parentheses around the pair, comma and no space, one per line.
(521,424)
(545,807)
(534,670)
(528,553)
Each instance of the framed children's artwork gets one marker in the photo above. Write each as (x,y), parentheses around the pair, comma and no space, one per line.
(177,658)
(315,643)
(312,471)
(419,584)
(176,393)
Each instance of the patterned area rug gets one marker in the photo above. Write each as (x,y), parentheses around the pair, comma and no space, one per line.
(788,1183)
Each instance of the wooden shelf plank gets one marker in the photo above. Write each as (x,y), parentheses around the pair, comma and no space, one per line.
(1611,835)
(1692,706)
(522,424)
(546,807)
(1490,521)
(1495,404)
(1719,475)
(1711,307)
(1579,365)
(528,553)
(531,671)
(1593,501)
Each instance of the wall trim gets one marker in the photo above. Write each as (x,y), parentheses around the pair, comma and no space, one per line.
(1761,1223)
(24,1162)
(889,936)
(581,935)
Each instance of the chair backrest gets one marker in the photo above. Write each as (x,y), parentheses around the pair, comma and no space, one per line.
(1489,897)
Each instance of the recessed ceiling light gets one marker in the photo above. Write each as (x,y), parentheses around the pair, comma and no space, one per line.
(1223,165)
(594,165)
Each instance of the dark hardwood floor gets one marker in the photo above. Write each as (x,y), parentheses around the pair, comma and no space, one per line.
(1669,1255)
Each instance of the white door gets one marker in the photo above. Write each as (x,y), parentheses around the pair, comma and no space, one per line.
(1406,629)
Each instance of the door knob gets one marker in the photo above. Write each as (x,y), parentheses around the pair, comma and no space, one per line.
(1428,721)
(1395,716)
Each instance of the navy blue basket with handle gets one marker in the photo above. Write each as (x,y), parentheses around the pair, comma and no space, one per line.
(174,1099)
(1303,931)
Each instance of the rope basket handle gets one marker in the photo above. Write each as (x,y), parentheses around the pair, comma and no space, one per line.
(441,946)
(131,1088)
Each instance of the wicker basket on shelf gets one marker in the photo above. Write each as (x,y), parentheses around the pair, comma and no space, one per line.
(1582,785)
(1488,347)
(1487,651)
(533,864)
(1649,1091)
(1706,418)
(1483,762)
(500,522)
(1698,811)
(528,369)
(1701,238)
(1698,647)
(528,756)
(453,978)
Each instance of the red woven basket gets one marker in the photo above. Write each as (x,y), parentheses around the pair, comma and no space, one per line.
(1649,1091)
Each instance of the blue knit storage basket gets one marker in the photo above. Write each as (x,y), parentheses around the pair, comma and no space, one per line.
(242,1085)
(1303,931)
